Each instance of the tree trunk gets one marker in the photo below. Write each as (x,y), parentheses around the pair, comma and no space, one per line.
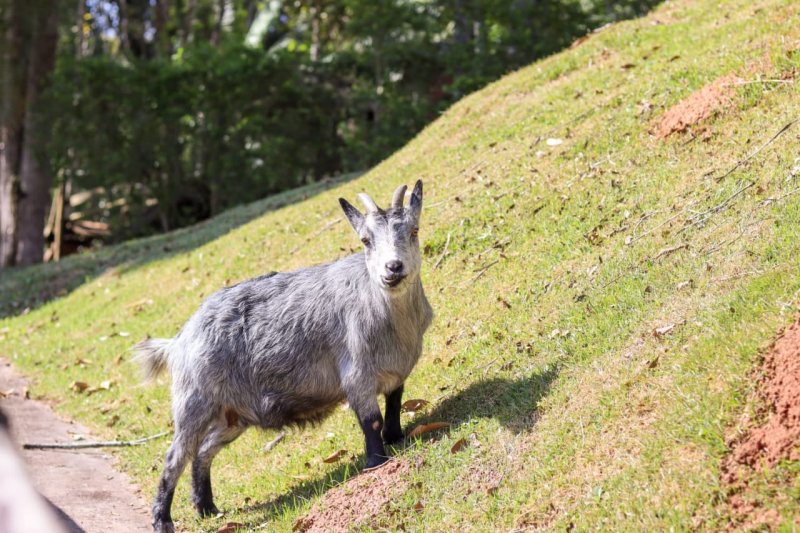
(35,177)
(11,119)
(28,54)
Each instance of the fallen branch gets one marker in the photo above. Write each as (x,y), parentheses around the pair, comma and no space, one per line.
(667,251)
(741,162)
(444,252)
(274,442)
(102,444)
(483,270)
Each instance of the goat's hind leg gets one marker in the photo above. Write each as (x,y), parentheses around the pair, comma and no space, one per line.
(191,421)
(224,431)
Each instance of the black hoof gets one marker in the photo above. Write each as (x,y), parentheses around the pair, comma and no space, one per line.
(375,461)
(163,527)
(207,510)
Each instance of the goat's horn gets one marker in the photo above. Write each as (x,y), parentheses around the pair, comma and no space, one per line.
(368,202)
(398,196)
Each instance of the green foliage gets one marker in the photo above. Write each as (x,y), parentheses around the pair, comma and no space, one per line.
(200,121)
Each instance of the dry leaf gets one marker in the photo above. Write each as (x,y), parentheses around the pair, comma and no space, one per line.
(663,330)
(652,363)
(82,362)
(458,446)
(230,527)
(427,428)
(413,405)
(335,456)
(419,506)
(79,386)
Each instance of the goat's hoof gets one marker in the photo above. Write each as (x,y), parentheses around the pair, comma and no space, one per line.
(206,510)
(393,437)
(160,526)
(375,461)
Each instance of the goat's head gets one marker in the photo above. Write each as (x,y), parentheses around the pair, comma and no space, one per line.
(391,245)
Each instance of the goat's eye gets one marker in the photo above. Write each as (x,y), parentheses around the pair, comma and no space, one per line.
(365,240)
(415,232)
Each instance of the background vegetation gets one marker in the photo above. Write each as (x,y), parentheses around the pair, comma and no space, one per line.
(179,109)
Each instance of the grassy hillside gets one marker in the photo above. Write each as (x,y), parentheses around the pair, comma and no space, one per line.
(600,301)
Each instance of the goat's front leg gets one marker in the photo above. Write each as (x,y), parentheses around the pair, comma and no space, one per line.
(371,421)
(392,432)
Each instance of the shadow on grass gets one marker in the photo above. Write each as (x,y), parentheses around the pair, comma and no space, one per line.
(513,403)
(25,289)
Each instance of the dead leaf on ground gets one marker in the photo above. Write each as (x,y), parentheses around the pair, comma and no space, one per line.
(427,428)
(335,456)
(79,386)
(82,362)
(459,445)
(419,507)
(231,527)
(413,405)
(652,363)
(663,330)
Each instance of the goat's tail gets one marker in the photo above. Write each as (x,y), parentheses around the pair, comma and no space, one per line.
(152,356)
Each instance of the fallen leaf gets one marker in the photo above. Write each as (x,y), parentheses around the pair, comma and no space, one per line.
(663,330)
(427,428)
(335,456)
(652,363)
(413,405)
(79,386)
(230,527)
(114,420)
(82,362)
(458,446)
(419,506)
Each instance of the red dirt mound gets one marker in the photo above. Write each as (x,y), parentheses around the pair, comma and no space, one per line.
(779,437)
(765,445)
(698,106)
(356,503)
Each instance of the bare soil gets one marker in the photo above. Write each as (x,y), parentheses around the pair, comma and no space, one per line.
(698,106)
(357,503)
(777,438)
(83,484)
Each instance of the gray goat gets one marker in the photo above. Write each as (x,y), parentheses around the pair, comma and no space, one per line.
(287,348)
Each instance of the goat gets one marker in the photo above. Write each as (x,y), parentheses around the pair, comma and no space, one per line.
(287,348)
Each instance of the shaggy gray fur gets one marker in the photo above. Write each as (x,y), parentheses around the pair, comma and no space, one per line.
(287,348)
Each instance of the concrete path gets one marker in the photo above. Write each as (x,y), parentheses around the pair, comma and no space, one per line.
(83,484)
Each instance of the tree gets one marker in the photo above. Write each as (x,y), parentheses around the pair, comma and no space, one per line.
(30,35)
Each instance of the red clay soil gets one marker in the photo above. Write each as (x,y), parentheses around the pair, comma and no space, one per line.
(777,439)
(698,106)
(357,503)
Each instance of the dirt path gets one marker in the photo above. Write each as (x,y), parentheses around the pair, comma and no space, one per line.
(82,483)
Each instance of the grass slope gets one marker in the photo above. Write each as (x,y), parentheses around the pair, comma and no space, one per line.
(562,262)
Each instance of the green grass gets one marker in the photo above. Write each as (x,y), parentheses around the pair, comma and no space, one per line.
(547,359)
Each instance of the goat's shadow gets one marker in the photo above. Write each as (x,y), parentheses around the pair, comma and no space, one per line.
(513,403)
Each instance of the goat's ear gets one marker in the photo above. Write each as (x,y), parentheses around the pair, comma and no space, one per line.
(353,215)
(415,204)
